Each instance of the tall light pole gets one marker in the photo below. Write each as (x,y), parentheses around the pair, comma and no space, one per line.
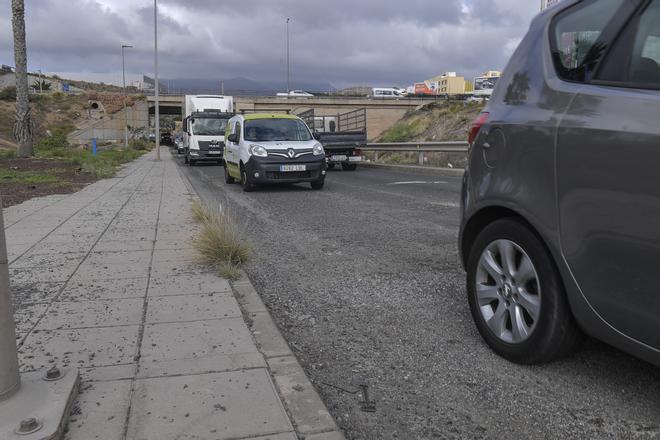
(123,76)
(157,110)
(288,59)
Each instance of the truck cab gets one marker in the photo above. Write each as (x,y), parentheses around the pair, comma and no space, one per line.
(204,127)
(269,148)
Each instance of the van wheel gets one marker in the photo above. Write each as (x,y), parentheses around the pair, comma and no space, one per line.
(516,296)
(348,166)
(228,179)
(248,186)
(318,185)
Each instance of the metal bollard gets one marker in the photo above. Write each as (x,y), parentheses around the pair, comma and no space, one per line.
(10,380)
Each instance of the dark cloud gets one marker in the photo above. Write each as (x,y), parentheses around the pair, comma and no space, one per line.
(341,41)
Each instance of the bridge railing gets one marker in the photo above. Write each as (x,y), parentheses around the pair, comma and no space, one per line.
(421,148)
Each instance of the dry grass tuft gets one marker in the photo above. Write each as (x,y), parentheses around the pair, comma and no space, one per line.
(199,212)
(229,271)
(219,242)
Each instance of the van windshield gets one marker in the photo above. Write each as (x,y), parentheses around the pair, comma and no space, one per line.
(276,129)
(209,126)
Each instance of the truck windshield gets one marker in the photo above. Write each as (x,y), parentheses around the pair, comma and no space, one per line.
(209,126)
(276,129)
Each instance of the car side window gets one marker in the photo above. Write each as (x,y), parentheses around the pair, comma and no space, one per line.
(579,41)
(237,130)
(645,62)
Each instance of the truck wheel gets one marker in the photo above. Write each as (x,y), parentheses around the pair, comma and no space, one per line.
(245,181)
(228,179)
(318,185)
(348,166)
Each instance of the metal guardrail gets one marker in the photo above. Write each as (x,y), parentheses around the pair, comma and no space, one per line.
(420,147)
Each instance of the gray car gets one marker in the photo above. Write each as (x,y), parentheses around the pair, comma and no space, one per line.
(560,231)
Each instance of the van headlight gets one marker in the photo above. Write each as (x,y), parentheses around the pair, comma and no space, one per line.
(258,150)
(318,150)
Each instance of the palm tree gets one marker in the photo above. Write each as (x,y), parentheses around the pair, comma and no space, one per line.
(23,126)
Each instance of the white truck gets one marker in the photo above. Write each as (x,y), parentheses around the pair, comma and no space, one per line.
(204,123)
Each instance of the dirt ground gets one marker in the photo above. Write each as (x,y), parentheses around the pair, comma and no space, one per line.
(62,178)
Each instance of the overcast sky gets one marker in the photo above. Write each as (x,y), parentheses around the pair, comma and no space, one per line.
(344,42)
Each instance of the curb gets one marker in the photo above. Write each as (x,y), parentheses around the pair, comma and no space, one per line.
(452,172)
(307,412)
(309,415)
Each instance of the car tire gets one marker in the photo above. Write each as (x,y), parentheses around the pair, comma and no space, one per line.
(192,163)
(348,166)
(318,185)
(247,185)
(331,166)
(185,159)
(516,296)
(228,179)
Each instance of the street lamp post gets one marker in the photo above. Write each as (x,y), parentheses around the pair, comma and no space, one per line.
(123,76)
(288,59)
(157,99)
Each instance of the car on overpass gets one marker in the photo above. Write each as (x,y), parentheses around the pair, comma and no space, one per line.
(269,148)
(295,94)
(559,232)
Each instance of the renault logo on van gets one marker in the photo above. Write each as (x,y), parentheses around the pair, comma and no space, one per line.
(291,153)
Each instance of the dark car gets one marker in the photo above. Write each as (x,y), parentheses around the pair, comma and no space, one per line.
(166,139)
(560,230)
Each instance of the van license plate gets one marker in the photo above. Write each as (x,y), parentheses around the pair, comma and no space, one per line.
(339,158)
(289,168)
(215,152)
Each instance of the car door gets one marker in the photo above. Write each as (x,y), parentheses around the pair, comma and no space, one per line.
(608,179)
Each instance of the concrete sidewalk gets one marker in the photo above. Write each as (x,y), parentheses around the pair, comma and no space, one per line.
(105,280)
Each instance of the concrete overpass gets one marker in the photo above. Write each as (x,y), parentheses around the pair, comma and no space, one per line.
(381,113)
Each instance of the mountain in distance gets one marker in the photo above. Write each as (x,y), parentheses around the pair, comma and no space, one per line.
(239,86)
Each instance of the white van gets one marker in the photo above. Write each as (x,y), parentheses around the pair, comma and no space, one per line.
(265,148)
(386,93)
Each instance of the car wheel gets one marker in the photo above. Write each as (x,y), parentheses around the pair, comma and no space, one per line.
(516,295)
(245,181)
(318,185)
(228,179)
(331,166)
(185,159)
(192,163)
(348,166)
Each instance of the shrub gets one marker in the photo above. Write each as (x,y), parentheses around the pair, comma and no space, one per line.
(219,242)
(8,93)
(7,153)
(55,141)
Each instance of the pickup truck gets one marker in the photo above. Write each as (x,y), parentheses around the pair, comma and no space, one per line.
(341,135)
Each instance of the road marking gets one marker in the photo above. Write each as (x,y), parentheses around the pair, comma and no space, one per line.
(418,182)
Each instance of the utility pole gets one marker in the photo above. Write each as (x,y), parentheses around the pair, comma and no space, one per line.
(288,58)
(123,76)
(156,87)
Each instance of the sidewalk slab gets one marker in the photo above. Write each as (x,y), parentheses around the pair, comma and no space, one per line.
(105,280)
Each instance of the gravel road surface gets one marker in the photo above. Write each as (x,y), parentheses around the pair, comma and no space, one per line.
(363,280)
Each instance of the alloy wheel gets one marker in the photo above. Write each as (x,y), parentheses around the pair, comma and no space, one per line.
(508,291)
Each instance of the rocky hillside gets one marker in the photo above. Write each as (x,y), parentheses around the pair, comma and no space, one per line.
(434,122)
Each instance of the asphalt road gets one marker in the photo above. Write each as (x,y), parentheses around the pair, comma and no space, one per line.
(363,280)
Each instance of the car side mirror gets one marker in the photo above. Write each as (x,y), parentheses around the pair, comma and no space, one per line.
(317,135)
(233,138)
